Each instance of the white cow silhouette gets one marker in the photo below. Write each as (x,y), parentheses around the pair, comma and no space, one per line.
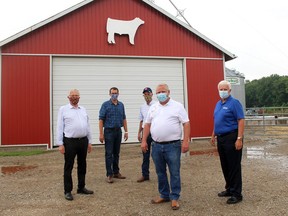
(122,27)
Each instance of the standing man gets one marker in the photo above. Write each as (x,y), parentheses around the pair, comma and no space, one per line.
(74,138)
(112,117)
(147,94)
(229,131)
(164,120)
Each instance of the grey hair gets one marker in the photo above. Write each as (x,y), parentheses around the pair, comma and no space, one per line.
(224,82)
(74,90)
(165,85)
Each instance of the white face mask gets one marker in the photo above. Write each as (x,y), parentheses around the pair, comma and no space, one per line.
(223,94)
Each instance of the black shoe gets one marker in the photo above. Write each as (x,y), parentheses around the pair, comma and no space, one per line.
(84,191)
(68,196)
(234,200)
(224,194)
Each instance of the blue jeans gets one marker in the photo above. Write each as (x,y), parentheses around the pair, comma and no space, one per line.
(146,159)
(167,154)
(113,138)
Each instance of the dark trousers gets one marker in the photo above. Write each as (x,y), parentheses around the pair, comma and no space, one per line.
(75,147)
(113,138)
(146,158)
(230,159)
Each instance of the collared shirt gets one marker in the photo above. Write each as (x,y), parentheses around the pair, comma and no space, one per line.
(226,115)
(112,115)
(144,110)
(166,121)
(73,123)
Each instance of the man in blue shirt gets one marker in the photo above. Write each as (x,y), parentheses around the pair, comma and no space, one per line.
(112,117)
(229,131)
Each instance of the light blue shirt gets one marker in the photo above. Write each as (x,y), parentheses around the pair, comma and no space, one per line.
(73,123)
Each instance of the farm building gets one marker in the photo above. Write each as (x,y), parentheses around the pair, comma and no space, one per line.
(98,44)
(237,81)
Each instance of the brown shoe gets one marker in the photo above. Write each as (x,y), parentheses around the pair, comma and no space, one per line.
(119,176)
(159,200)
(175,205)
(109,179)
(142,179)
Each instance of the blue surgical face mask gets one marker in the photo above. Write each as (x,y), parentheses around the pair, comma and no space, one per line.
(162,97)
(223,94)
(114,96)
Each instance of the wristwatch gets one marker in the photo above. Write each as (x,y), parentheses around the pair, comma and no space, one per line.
(239,138)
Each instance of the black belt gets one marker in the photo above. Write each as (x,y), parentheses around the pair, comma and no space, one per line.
(225,134)
(167,142)
(116,128)
(80,138)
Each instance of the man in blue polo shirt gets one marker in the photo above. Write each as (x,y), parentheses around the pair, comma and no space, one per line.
(112,117)
(229,130)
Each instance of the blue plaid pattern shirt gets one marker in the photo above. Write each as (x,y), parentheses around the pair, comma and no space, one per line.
(112,115)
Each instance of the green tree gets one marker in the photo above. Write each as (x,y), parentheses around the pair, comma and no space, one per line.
(267,91)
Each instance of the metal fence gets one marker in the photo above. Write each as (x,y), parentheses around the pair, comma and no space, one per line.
(267,121)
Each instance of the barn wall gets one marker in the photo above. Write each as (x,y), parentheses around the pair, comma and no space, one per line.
(25,100)
(26,73)
(203,77)
(84,32)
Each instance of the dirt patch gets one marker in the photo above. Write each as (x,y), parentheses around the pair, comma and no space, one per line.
(39,191)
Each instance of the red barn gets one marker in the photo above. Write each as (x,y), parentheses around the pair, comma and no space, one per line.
(98,44)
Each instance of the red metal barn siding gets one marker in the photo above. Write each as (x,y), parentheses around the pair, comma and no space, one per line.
(203,77)
(84,32)
(25,100)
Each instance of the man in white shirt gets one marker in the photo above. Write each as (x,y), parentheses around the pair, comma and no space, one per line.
(74,138)
(164,121)
(147,94)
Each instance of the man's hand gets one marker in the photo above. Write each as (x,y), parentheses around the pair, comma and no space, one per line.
(185,146)
(125,136)
(212,141)
(89,148)
(139,137)
(101,138)
(239,144)
(61,148)
(144,146)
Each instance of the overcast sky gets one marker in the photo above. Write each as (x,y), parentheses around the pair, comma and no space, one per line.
(254,30)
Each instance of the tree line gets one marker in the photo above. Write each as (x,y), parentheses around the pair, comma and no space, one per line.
(269,91)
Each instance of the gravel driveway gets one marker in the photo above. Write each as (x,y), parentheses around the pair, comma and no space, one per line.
(33,185)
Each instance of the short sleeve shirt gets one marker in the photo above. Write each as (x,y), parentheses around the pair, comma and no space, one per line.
(226,115)
(166,121)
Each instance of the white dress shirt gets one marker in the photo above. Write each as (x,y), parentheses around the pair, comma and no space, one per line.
(73,122)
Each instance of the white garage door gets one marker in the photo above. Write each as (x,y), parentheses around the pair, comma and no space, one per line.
(95,76)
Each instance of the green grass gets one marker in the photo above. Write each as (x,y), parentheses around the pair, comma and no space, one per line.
(22,153)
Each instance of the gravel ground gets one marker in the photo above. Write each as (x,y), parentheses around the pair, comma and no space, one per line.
(37,187)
